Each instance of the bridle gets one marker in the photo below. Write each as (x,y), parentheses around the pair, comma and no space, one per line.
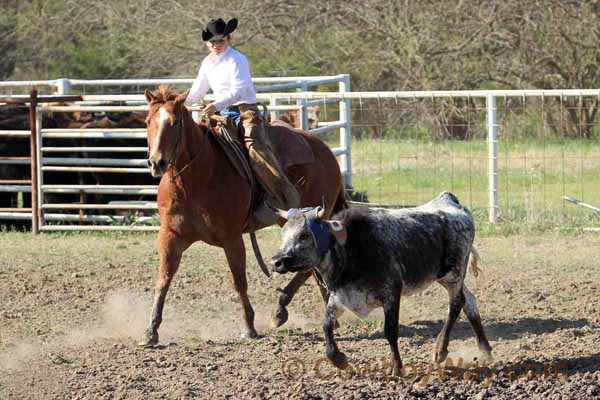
(176,151)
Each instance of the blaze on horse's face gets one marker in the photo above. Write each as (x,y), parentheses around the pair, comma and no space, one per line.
(298,249)
(163,128)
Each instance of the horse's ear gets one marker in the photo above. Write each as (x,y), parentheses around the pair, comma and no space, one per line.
(181,98)
(149,96)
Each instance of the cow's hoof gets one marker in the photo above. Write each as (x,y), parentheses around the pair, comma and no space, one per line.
(394,371)
(151,339)
(439,356)
(249,334)
(339,359)
(280,317)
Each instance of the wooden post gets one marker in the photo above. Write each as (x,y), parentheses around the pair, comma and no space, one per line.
(34,160)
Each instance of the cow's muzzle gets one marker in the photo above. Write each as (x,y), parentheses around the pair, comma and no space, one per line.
(285,263)
(281,263)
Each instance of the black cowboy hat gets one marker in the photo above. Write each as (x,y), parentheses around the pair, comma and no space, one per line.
(217,29)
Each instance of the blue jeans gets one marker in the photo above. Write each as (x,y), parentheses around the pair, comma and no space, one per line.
(232,112)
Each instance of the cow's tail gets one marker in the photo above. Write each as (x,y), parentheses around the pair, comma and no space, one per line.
(474,262)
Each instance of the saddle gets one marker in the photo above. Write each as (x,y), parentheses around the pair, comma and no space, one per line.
(289,145)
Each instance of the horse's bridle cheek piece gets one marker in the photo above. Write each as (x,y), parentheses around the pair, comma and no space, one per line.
(177,151)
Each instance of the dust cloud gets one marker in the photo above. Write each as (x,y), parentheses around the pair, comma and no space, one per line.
(124,316)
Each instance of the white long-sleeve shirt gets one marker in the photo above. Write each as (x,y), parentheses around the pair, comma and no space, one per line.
(228,75)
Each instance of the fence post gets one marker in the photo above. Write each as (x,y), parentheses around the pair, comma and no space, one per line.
(34,161)
(492,126)
(345,132)
(63,87)
(273,101)
(39,173)
(303,114)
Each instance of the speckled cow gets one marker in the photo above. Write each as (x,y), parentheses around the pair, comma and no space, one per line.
(370,257)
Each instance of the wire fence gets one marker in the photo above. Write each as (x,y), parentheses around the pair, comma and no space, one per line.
(405,150)
(512,155)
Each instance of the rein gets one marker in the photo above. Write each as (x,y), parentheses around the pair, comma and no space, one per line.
(180,131)
(252,182)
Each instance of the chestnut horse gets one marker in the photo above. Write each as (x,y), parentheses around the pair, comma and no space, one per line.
(201,197)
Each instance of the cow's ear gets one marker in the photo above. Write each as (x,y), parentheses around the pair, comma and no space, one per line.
(337,229)
(149,96)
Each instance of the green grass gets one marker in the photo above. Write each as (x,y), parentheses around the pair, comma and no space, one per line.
(534,174)
(533,177)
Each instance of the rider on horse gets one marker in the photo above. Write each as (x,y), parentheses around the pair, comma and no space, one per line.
(225,70)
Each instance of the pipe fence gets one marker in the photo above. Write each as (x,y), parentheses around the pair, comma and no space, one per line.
(510,156)
(76,158)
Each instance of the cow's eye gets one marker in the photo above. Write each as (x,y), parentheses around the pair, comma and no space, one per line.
(304,236)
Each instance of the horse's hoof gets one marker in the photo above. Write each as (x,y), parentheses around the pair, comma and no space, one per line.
(486,358)
(280,317)
(149,342)
(249,334)
(151,339)
(395,371)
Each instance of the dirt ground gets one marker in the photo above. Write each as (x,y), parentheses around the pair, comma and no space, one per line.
(73,307)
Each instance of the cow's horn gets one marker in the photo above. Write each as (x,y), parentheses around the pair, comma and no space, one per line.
(281,213)
(320,212)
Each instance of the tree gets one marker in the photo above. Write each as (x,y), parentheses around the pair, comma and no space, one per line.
(7,38)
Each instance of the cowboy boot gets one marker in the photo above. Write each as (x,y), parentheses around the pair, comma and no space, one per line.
(271,176)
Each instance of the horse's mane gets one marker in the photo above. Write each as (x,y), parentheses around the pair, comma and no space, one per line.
(163,94)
